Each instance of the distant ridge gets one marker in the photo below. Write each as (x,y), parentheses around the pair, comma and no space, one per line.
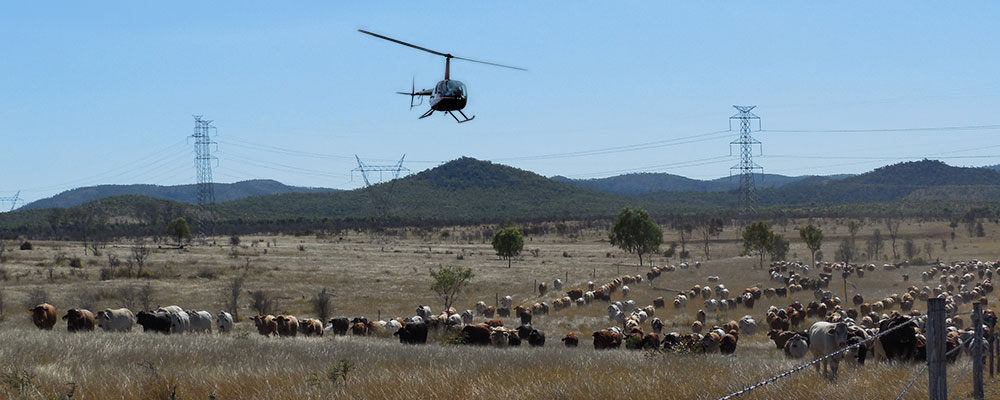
(180,193)
(641,183)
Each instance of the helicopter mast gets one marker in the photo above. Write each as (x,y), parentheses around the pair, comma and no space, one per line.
(447,66)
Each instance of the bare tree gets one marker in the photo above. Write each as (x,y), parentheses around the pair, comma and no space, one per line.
(127,296)
(322,305)
(140,251)
(893,226)
(846,251)
(262,302)
(231,298)
(146,297)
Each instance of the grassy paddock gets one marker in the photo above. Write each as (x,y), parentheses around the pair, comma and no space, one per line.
(134,365)
(369,274)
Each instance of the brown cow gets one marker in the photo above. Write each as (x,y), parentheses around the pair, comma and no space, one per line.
(288,325)
(311,327)
(359,329)
(266,325)
(44,316)
(478,334)
(78,320)
(575,294)
(494,323)
(658,302)
(605,339)
(571,339)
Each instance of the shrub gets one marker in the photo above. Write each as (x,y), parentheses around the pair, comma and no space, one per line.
(206,273)
(27,246)
(75,262)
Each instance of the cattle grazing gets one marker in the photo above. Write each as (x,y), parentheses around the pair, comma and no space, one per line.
(897,344)
(180,322)
(117,320)
(340,325)
(535,337)
(606,339)
(728,344)
(225,321)
(659,302)
(467,317)
(543,288)
(571,339)
(506,301)
(44,316)
(490,311)
(359,329)
(201,321)
(311,327)
(154,322)
(657,325)
(413,333)
(826,338)
(266,325)
(796,347)
(558,284)
(476,334)
(500,337)
(696,326)
(493,323)
(79,320)
(480,307)
(575,294)
(503,312)
(170,309)
(424,312)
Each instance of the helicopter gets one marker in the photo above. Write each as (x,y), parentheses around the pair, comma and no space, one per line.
(448,95)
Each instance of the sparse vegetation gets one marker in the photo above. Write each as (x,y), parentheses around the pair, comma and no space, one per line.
(508,243)
(448,283)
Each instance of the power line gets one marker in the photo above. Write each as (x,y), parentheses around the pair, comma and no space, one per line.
(620,149)
(918,129)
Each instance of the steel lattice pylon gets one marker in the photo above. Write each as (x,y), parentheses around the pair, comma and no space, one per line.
(380,193)
(746,167)
(203,160)
(13,200)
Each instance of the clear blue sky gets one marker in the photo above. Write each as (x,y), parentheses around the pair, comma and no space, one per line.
(95,93)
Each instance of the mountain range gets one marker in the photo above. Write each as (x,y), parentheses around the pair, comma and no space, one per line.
(471,190)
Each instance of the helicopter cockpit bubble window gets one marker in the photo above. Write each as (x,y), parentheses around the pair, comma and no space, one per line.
(454,89)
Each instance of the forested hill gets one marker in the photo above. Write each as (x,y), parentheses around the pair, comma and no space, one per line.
(180,193)
(462,189)
(640,183)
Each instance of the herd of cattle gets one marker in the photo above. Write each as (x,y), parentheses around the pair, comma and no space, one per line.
(837,325)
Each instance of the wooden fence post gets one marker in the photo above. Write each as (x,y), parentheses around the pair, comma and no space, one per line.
(937,364)
(977,351)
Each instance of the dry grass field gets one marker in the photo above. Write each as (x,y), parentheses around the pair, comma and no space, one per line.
(388,275)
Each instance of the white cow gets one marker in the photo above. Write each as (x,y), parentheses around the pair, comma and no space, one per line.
(706,292)
(201,321)
(626,291)
(506,301)
(826,338)
(796,347)
(467,316)
(747,325)
(170,309)
(225,321)
(558,284)
(424,312)
(117,320)
(180,322)
(481,308)
(391,326)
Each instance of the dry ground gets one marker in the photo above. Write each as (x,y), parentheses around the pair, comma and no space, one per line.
(388,275)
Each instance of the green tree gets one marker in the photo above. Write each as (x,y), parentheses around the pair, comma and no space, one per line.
(779,248)
(710,229)
(508,243)
(758,239)
(449,282)
(178,229)
(813,237)
(636,232)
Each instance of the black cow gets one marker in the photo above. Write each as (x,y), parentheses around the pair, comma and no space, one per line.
(158,322)
(901,343)
(534,336)
(413,333)
(340,325)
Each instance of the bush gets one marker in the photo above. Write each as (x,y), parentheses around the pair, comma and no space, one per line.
(75,262)
(27,246)
(206,273)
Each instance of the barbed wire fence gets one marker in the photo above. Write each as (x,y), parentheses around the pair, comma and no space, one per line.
(789,372)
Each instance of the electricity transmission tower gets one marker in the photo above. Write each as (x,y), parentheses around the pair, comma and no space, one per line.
(746,167)
(380,192)
(203,165)
(13,200)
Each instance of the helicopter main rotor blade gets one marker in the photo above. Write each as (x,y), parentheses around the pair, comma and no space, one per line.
(405,44)
(437,52)
(489,63)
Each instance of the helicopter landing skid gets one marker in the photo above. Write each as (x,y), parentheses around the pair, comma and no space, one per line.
(467,119)
(427,114)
